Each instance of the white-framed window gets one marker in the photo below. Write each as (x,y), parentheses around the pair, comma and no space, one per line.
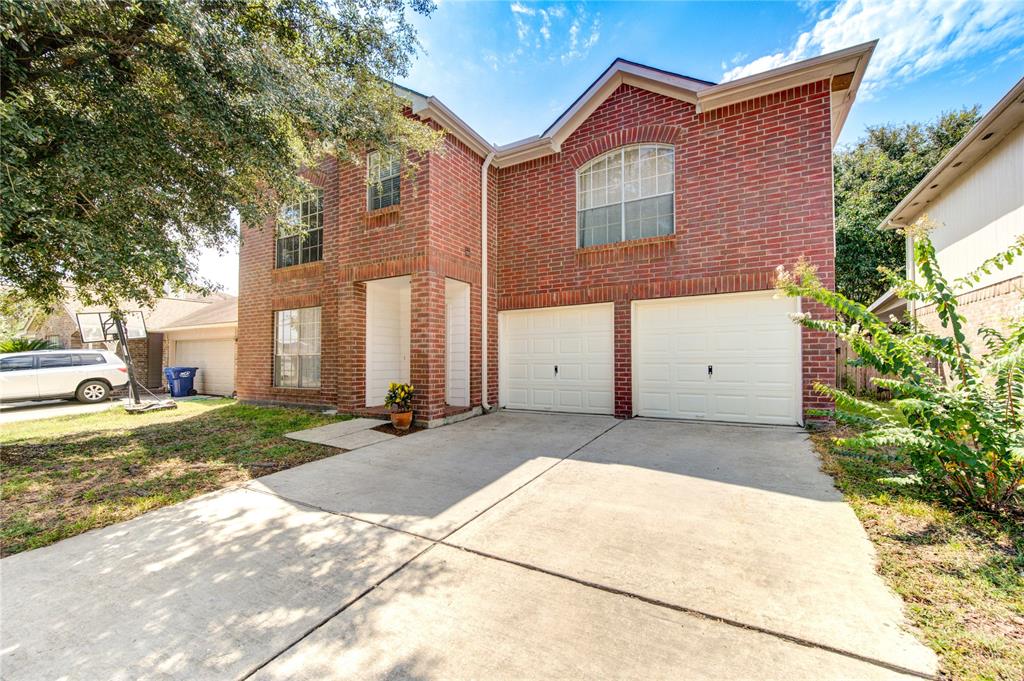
(626,194)
(306,246)
(297,348)
(384,179)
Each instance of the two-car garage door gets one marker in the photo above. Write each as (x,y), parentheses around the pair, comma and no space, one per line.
(732,357)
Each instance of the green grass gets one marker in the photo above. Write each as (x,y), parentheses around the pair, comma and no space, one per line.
(959,572)
(63,476)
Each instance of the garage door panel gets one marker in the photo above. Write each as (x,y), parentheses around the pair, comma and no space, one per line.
(749,341)
(579,340)
(215,358)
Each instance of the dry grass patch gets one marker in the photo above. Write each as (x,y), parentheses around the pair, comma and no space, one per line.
(960,572)
(60,477)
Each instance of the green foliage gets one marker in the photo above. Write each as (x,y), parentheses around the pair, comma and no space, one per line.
(399,396)
(964,432)
(24,344)
(870,179)
(133,129)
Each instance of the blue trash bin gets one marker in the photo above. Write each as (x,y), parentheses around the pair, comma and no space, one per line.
(179,380)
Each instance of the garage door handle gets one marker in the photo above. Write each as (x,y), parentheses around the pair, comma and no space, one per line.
(556,370)
(711,370)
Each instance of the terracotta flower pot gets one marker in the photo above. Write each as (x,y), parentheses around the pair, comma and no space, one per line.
(401,419)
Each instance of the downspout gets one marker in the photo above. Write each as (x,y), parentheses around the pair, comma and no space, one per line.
(484,283)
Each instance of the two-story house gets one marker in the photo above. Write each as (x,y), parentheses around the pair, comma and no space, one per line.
(622,262)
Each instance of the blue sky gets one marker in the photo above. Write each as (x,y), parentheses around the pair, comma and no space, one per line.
(509,68)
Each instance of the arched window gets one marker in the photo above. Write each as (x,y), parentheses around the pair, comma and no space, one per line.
(626,194)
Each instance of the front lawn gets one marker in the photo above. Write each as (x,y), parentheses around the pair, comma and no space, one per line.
(960,572)
(63,476)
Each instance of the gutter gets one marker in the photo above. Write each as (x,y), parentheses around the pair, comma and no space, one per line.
(484,285)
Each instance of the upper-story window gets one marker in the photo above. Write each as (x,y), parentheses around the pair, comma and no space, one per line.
(384,177)
(308,245)
(626,194)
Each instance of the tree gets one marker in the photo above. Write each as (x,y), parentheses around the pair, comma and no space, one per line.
(957,412)
(133,128)
(870,179)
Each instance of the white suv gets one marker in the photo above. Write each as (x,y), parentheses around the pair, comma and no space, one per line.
(86,375)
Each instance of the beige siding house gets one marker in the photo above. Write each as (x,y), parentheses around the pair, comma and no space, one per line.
(205,339)
(975,195)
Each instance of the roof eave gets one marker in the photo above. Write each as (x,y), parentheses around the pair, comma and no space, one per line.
(192,327)
(1001,120)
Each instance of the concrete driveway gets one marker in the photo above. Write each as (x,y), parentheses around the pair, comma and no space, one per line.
(510,546)
(33,411)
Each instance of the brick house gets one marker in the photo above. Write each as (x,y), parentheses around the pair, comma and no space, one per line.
(60,328)
(623,260)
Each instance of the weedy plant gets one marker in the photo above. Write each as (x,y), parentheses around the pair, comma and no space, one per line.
(957,412)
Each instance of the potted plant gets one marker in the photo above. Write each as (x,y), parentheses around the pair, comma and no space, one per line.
(399,401)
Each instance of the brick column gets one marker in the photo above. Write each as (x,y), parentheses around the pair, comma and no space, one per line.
(623,360)
(426,347)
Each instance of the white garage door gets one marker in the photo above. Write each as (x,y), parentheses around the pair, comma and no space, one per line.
(216,362)
(558,359)
(733,357)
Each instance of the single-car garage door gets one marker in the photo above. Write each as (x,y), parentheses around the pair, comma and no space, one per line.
(558,359)
(730,357)
(216,361)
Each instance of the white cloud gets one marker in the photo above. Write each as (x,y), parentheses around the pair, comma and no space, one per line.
(915,37)
(548,33)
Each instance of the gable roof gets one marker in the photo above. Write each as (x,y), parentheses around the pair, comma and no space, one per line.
(844,69)
(223,313)
(1000,121)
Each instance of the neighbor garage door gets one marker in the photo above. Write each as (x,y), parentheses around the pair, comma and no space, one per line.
(733,357)
(216,361)
(558,359)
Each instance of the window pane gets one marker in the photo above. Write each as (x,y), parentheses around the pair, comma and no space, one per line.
(297,348)
(384,178)
(82,360)
(54,361)
(600,226)
(649,217)
(307,246)
(310,377)
(641,176)
(17,363)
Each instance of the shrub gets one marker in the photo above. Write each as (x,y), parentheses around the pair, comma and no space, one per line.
(399,396)
(957,413)
(24,344)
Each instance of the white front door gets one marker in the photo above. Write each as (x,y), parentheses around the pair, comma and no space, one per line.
(456,343)
(388,305)
(558,359)
(731,357)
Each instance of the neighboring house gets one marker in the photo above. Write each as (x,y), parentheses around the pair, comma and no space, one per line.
(624,260)
(205,339)
(975,195)
(61,329)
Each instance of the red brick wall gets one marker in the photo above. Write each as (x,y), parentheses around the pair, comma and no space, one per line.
(361,246)
(753,191)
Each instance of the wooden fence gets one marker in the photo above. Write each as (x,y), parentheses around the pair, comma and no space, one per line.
(856,380)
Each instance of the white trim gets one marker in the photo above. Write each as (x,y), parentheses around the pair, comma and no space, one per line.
(1007,114)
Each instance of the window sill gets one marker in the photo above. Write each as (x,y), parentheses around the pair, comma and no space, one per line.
(383,217)
(652,247)
(306,270)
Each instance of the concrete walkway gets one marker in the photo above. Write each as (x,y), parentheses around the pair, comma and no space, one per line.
(509,546)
